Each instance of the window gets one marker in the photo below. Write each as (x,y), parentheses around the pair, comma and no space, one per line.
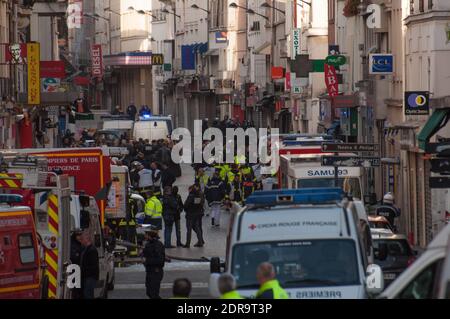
(430,4)
(26,248)
(255,26)
(422,287)
(421,5)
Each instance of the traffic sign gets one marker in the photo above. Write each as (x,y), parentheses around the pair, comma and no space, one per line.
(349,147)
(440,165)
(351,161)
(439,182)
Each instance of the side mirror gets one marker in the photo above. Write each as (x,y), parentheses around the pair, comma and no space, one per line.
(97,240)
(370,199)
(381,252)
(214,265)
(84,219)
(214,285)
(374,280)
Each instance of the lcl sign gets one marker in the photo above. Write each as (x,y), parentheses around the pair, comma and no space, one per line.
(374,19)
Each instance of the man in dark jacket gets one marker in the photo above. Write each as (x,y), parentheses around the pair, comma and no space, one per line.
(194,212)
(170,211)
(131,111)
(89,267)
(215,193)
(167,177)
(76,249)
(155,257)
(180,208)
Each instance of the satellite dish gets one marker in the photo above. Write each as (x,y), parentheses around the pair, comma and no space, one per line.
(23,22)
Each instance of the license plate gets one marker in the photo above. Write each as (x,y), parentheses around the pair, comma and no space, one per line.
(389,276)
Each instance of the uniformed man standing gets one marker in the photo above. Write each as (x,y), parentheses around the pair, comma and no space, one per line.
(388,209)
(269,286)
(155,258)
(227,287)
(153,211)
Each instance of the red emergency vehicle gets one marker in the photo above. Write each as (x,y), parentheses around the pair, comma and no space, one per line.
(20,270)
(89,169)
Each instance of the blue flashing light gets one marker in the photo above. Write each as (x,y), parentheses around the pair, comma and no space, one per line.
(11,198)
(146,116)
(296,196)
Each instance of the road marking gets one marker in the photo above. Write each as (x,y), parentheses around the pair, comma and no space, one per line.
(164,285)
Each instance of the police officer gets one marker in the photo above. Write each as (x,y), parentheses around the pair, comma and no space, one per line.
(155,257)
(227,287)
(388,209)
(153,211)
(269,286)
(215,193)
(194,212)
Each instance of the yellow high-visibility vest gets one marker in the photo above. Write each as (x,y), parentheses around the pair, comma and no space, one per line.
(153,207)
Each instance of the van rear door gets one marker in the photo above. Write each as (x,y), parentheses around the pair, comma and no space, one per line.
(444,291)
(19,257)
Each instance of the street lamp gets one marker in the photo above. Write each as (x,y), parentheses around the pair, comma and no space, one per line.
(308,3)
(147,12)
(249,11)
(194,6)
(266,5)
(167,11)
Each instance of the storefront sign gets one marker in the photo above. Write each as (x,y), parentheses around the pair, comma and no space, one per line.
(221,37)
(16,53)
(51,85)
(331,80)
(296,49)
(97,61)
(287,83)
(381,64)
(277,72)
(157,59)
(345,101)
(53,69)
(34,83)
(336,60)
(417,103)
(75,14)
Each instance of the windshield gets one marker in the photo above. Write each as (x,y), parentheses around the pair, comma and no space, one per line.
(348,184)
(312,263)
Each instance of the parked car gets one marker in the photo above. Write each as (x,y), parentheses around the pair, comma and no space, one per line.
(380,222)
(399,254)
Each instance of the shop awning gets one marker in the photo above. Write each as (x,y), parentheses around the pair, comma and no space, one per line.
(263,49)
(435,122)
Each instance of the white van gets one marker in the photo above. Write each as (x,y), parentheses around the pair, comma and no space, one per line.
(306,170)
(86,215)
(429,276)
(311,237)
(153,128)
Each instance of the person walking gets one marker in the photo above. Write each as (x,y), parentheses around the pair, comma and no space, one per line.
(181,288)
(155,257)
(180,208)
(170,211)
(194,212)
(153,210)
(215,193)
(269,286)
(227,287)
(89,265)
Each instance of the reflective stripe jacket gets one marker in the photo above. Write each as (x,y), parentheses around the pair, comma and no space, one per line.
(271,290)
(153,207)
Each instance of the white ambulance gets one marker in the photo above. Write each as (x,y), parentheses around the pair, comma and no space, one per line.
(306,171)
(312,238)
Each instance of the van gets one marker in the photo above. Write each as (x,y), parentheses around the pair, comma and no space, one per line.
(306,170)
(429,275)
(311,237)
(153,128)
(19,255)
(86,215)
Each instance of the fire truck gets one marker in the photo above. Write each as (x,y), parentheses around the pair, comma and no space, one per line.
(46,236)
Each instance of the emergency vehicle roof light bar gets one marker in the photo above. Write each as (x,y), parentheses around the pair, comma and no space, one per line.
(11,198)
(296,196)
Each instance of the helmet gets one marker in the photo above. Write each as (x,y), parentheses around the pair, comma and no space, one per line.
(388,198)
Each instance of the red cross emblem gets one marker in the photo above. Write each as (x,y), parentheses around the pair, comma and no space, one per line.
(252,226)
